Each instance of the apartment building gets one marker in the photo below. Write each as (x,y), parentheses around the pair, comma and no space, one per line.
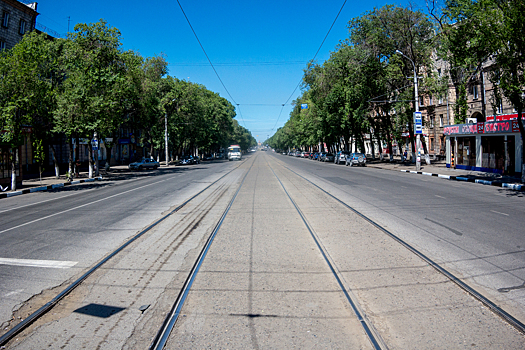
(488,140)
(17,18)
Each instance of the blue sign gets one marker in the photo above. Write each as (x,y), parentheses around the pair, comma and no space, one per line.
(418,123)
(304,106)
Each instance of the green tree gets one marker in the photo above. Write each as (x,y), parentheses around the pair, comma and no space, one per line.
(92,100)
(27,90)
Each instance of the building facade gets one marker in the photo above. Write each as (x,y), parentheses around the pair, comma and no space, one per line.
(16,19)
(488,140)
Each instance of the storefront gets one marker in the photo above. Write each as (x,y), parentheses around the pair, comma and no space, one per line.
(493,146)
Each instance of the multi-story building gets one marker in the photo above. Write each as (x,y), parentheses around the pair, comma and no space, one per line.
(16,19)
(489,140)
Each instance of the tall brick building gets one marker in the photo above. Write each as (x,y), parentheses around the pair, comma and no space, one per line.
(16,19)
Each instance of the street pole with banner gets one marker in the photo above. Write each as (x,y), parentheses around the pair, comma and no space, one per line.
(417,113)
(418,130)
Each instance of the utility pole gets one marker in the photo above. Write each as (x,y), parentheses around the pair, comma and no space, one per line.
(166,132)
(166,136)
(416,104)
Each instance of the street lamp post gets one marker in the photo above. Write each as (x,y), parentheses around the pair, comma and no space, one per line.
(416,104)
(166,134)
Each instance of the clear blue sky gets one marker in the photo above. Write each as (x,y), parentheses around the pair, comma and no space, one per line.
(258,48)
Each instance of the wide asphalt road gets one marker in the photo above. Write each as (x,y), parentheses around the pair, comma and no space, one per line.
(476,232)
(48,238)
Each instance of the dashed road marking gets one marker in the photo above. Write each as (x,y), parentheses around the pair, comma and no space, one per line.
(55,264)
(497,212)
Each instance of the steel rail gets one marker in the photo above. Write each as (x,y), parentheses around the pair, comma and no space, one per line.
(163,334)
(373,336)
(518,325)
(49,305)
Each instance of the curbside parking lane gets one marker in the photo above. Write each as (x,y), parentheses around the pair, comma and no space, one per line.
(46,188)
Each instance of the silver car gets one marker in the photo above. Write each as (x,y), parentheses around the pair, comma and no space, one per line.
(144,163)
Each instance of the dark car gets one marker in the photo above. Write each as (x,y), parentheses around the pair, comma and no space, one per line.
(187,160)
(356,159)
(144,163)
(329,157)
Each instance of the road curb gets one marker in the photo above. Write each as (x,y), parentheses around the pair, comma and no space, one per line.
(46,188)
(498,183)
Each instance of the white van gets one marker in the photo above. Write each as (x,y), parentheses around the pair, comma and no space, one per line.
(234,152)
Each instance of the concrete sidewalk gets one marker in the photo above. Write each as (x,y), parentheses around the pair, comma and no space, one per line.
(51,182)
(439,169)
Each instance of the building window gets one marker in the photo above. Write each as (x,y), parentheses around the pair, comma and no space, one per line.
(2,45)
(499,106)
(5,19)
(439,72)
(430,102)
(441,120)
(474,91)
(22,27)
(431,119)
(440,100)
(421,101)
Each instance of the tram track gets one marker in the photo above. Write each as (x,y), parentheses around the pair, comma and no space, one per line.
(495,309)
(163,334)
(372,334)
(181,228)
(198,214)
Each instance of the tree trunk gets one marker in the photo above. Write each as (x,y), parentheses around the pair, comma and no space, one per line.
(77,156)
(109,148)
(55,161)
(90,159)
(96,157)
(522,132)
(425,150)
(13,169)
(70,165)
(412,141)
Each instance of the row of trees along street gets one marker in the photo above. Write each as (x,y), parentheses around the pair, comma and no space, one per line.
(87,85)
(364,88)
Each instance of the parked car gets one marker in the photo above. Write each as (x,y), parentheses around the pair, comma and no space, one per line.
(356,159)
(187,160)
(329,157)
(306,155)
(340,157)
(144,163)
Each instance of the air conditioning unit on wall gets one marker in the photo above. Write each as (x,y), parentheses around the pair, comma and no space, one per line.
(472,120)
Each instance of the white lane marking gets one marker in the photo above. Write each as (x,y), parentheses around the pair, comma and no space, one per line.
(18,291)
(497,212)
(83,205)
(48,200)
(38,263)
(439,196)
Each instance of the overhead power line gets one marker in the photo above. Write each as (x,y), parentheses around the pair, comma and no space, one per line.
(208,58)
(238,64)
(319,49)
